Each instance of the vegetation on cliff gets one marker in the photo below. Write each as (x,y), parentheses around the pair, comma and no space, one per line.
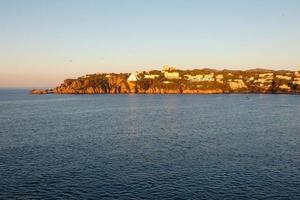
(173,81)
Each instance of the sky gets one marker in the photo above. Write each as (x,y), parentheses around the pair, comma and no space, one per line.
(43,42)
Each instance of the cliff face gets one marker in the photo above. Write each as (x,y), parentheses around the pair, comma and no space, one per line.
(183,82)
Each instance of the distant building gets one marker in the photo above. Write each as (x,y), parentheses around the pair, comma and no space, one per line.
(237,84)
(297,81)
(200,77)
(172,75)
(196,78)
(87,76)
(250,79)
(284,87)
(283,77)
(266,75)
(265,78)
(209,77)
(168,68)
(220,76)
(151,76)
(133,77)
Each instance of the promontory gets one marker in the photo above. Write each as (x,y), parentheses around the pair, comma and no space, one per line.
(170,80)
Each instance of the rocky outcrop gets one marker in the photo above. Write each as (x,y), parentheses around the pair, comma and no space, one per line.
(41,91)
(212,91)
(190,82)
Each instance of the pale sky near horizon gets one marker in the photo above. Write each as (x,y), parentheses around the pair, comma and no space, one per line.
(43,42)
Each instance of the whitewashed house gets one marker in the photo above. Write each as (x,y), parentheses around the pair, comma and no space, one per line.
(133,77)
(151,76)
(283,77)
(172,75)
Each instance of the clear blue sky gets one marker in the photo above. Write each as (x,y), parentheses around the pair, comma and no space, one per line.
(44,41)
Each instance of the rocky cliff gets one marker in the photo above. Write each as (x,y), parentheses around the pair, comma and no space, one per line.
(202,81)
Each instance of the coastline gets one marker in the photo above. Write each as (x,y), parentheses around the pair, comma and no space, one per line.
(169,80)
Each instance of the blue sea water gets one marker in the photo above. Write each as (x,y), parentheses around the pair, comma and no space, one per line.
(149,146)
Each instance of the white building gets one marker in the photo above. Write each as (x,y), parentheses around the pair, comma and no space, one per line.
(266,75)
(196,78)
(297,81)
(283,77)
(87,76)
(151,76)
(200,77)
(265,78)
(168,68)
(250,79)
(284,87)
(133,77)
(172,75)
(209,77)
(237,84)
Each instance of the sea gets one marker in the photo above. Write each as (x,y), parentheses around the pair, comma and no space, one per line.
(231,146)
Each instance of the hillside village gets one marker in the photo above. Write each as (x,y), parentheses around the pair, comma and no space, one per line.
(170,80)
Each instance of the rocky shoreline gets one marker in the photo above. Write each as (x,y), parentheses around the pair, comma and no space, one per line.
(173,81)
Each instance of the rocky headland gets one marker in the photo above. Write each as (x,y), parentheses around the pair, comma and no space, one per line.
(174,81)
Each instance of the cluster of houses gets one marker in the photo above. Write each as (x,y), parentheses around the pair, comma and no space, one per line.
(236,82)
(200,77)
(264,78)
(170,74)
(297,78)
